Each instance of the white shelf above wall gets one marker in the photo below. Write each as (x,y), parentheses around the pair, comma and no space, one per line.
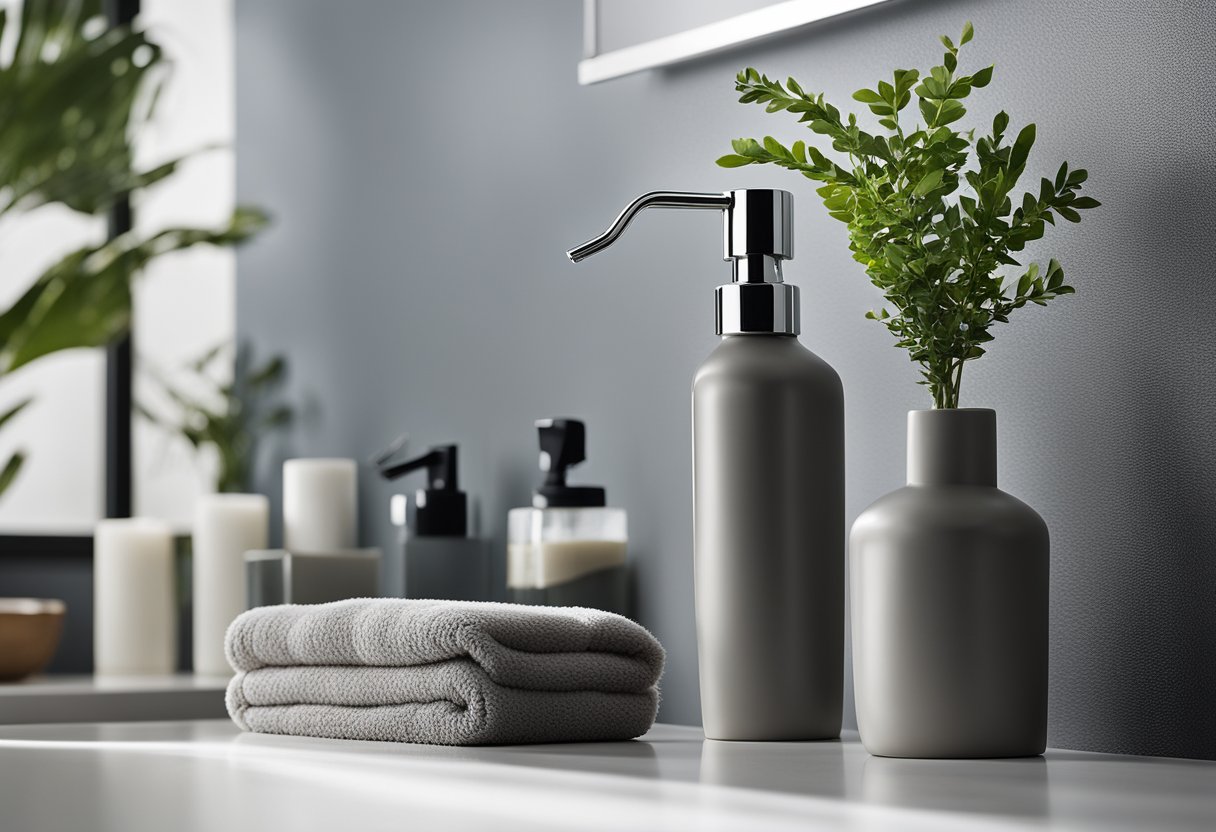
(719,36)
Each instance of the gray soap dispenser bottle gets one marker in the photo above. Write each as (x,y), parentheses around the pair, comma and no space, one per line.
(768,489)
(438,559)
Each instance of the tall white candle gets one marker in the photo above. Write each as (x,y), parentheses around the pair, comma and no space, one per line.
(226,526)
(135,627)
(320,505)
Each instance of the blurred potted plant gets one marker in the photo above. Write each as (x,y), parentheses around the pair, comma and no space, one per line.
(949,574)
(73,96)
(228,416)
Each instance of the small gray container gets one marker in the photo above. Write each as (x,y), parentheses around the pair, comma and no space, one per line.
(277,576)
(447,568)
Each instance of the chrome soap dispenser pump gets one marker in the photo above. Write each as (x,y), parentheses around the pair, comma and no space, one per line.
(768,489)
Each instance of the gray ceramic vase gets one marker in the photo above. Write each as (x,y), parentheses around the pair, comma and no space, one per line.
(949,579)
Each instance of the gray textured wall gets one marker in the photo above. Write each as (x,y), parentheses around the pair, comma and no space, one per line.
(428,164)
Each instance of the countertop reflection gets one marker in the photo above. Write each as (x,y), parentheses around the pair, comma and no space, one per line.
(206,775)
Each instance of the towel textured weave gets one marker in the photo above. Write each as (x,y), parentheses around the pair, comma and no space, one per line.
(442,672)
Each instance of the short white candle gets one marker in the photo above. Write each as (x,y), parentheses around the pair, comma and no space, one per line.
(320,505)
(226,526)
(135,626)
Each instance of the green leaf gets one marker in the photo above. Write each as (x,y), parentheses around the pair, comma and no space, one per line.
(950,112)
(837,201)
(959,89)
(982,78)
(905,79)
(745,147)
(270,374)
(11,469)
(732,161)
(817,157)
(1084,202)
(206,359)
(867,96)
(13,411)
(279,417)
(933,86)
(84,299)
(968,33)
(774,147)
(1021,148)
(1067,213)
(928,182)
(1061,176)
(13,466)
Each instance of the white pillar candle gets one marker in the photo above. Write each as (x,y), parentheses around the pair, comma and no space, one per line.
(135,627)
(226,526)
(320,505)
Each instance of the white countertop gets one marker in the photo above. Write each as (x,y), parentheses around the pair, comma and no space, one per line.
(112,699)
(206,775)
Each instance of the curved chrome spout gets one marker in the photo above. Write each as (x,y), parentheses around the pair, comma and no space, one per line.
(654,199)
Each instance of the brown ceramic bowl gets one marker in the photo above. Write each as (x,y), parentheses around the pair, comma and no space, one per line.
(29,633)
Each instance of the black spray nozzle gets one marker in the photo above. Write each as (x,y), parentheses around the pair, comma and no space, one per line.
(441,507)
(563,443)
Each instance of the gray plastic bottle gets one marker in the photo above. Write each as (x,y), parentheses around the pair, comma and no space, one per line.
(768,472)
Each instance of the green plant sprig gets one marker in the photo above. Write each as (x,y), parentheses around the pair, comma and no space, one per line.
(232,416)
(932,227)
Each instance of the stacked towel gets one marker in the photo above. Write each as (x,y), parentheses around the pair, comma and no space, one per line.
(442,672)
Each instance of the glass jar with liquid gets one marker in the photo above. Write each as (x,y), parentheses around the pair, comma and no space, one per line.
(568,548)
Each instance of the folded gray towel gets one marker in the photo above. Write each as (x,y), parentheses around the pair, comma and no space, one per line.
(442,672)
